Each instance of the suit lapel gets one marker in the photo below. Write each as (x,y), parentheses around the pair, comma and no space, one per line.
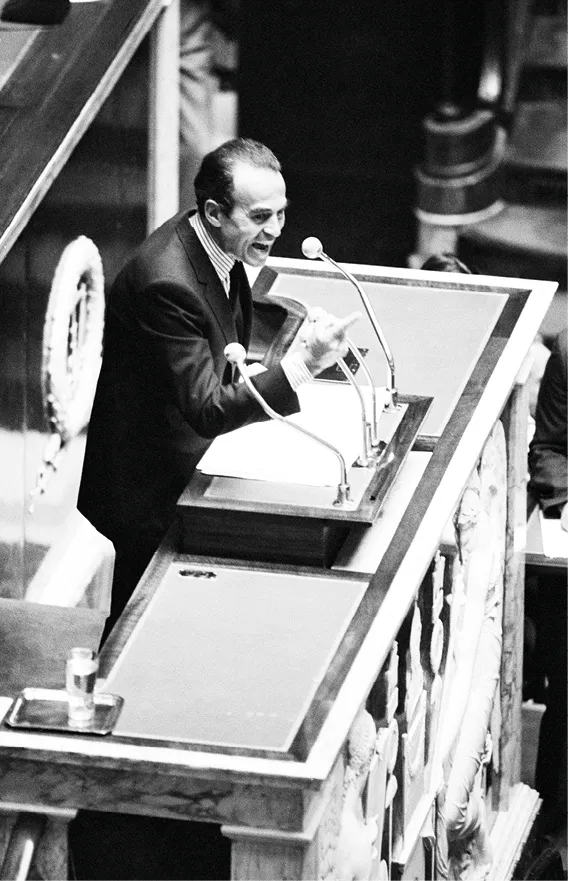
(213,290)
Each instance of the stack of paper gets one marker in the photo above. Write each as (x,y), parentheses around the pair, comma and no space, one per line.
(275,451)
(554,537)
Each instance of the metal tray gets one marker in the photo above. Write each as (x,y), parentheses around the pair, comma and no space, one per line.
(46,709)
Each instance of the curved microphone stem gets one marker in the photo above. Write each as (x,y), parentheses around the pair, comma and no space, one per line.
(375,442)
(343,487)
(364,459)
(391,385)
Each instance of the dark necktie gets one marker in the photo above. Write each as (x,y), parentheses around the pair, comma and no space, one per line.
(234,284)
(234,297)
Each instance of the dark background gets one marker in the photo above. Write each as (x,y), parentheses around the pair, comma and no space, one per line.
(339,90)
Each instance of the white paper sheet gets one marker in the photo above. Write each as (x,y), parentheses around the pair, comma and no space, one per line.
(554,538)
(274,451)
(5,704)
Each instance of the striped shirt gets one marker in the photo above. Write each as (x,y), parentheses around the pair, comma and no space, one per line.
(292,365)
(221,261)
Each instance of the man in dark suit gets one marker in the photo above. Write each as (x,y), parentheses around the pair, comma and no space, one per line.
(165,389)
(548,487)
(548,456)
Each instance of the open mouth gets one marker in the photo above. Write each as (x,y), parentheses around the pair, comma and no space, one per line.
(261,247)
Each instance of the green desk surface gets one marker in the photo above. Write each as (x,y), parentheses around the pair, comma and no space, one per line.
(233,658)
(436,335)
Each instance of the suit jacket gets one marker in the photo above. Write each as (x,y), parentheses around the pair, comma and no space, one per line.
(165,389)
(548,459)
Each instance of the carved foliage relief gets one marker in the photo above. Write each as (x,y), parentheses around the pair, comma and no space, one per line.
(469,729)
(416,760)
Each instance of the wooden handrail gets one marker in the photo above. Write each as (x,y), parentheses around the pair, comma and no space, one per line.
(53,95)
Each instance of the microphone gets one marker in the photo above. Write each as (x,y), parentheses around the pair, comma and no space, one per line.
(236,354)
(373,425)
(366,456)
(312,248)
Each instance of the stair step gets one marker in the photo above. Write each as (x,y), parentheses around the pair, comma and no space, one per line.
(538,139)
(548,43)
(524,227)
(525,186)
(523,230)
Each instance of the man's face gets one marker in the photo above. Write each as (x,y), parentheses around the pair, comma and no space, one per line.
(250,230)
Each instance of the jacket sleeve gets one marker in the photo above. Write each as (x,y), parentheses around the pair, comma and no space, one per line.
(548,462)
(187,349)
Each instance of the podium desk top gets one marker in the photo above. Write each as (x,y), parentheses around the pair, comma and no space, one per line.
(231,657)
(437,334)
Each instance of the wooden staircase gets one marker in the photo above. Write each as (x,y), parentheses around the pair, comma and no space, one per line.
(528,238)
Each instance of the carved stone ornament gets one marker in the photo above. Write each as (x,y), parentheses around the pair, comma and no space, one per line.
(72,346)
(473,669)
(356,844)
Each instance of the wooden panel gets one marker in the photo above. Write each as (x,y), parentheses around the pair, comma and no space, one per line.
(258,536)
(268,521)
(144,789)
(55,96)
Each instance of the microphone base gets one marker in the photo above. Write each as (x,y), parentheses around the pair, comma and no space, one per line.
(393,403)
(344,496)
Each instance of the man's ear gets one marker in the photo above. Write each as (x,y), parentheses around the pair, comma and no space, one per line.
(212,211)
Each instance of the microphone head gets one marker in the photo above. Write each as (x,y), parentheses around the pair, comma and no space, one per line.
(234,353)
(312,248)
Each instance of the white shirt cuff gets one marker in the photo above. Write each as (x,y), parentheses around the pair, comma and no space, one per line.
(296,371)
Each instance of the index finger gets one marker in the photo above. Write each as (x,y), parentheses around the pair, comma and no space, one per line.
(348,321)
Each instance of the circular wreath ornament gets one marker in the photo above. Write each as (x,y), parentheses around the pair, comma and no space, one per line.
(72,338)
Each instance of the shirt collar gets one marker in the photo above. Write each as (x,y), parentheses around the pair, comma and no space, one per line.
(221,261)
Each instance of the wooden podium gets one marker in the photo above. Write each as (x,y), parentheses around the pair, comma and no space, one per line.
(295,523)
(320,713)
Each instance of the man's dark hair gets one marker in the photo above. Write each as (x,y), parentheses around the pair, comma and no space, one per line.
(214,179)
